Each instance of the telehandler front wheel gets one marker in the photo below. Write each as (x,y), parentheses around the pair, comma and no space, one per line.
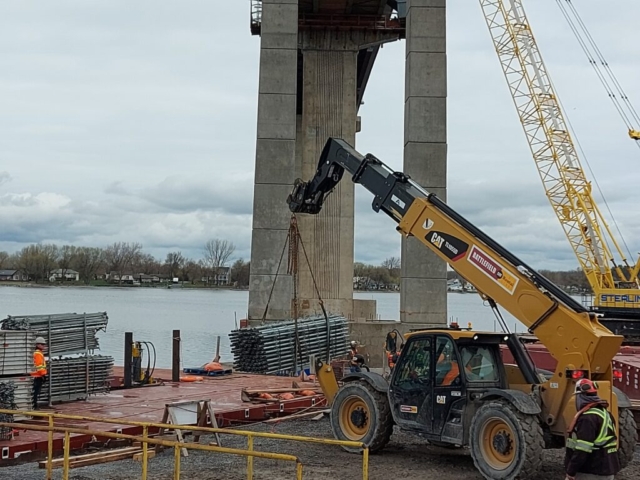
(362,414)
(627,436)
(505,443)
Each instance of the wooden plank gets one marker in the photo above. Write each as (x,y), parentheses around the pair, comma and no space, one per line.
(103,459)
(150,454)
(88,456)
(280,390)
(172,417)
(296,416)
(214,422)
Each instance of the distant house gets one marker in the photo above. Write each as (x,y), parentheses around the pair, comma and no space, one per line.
(67,275)
(13,276)
(145,278)
(127,278)
(223,277)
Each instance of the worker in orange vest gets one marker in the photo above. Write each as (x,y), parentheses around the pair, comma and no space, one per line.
(40,373)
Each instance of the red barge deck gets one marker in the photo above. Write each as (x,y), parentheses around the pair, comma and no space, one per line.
(147,404)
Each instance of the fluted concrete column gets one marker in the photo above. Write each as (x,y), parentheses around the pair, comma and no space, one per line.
(328,110)
(423,294)
(275,158)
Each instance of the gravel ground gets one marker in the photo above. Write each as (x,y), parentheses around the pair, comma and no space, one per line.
(406,456)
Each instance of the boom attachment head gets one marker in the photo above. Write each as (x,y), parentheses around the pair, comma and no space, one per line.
(308,197)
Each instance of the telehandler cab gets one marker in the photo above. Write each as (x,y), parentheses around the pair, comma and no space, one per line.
(451,385)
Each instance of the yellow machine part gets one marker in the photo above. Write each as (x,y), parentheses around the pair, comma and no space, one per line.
(327,380)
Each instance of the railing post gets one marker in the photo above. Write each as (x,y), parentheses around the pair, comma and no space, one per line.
(145,452)
(365,463)
(50,355)
(176,466)
(298,470)
(50,448)
(67,447)
(175,366)
(250,458)
(128,352)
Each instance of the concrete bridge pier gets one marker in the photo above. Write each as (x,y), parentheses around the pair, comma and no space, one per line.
(330,109)
(315,60)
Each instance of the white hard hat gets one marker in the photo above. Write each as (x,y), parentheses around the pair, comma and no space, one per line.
(41,340)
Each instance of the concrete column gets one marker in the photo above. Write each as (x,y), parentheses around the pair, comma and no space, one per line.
(275,158)
(329,110)
(423,294)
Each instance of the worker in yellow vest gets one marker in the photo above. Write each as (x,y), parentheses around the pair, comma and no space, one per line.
(40,366)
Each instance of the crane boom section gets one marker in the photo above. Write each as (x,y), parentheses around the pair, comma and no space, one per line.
(557,162)
(571,333)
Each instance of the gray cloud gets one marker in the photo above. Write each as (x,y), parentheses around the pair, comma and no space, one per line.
(136,122)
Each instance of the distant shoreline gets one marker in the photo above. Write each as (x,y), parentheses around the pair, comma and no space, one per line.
(168,286)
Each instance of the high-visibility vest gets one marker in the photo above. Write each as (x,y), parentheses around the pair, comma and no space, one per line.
(606,436)
(39,364)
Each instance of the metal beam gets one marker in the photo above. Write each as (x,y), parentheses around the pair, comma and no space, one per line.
(128,353)
(383,4)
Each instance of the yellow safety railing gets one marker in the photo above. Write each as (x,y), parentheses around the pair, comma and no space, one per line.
(145,440)
(250,453)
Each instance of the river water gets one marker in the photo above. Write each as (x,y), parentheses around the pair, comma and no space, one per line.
(200,314)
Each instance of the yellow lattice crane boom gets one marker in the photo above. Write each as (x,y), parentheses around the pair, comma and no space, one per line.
(613,280)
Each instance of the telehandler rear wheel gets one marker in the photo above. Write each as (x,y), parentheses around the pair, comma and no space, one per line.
(505,442)
(627,436)
(362,414)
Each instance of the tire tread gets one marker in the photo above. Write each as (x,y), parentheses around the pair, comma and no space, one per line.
(627,436)
(533,439)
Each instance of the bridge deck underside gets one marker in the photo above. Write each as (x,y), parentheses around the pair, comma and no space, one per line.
(347,7)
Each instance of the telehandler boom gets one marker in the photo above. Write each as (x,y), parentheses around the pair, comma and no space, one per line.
(450,385)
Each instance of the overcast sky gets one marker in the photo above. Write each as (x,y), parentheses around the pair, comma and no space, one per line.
(136,121)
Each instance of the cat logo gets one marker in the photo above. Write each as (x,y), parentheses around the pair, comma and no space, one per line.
(437,240)
(441,399)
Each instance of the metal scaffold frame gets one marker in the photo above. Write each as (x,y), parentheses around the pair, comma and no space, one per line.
(69,378)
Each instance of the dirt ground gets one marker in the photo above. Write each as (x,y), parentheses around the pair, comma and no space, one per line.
(407,457)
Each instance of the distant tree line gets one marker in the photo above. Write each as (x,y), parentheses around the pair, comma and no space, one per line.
(386,276)
(38,261)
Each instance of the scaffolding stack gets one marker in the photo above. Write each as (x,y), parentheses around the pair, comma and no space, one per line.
(16,361)
(70,332)
(271,349)
(74,372)
(67,377)
(7,402)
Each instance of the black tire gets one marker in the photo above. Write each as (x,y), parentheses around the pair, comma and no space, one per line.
(362,414)
(505,443)
(628,436)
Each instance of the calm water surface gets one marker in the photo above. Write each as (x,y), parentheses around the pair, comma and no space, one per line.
(200,315)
